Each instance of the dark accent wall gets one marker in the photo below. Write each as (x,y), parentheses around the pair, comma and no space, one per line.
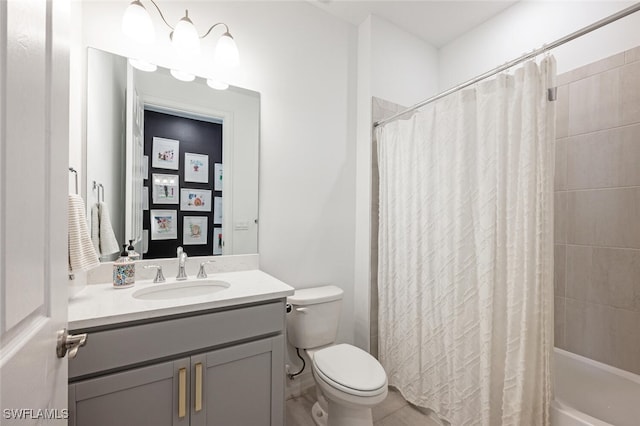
(196,137)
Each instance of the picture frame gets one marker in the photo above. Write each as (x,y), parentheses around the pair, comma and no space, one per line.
(217,177)
(196,167)
(197,200)
(145,198)
(145,241)
(164,224)
(218,240)
(165,188)
(217,211)
(194,230)
(145,167)
(165,153)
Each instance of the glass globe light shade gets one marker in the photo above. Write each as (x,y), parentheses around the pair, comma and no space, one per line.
(185,37)
(142,65)
(227,52)
(182,76)
(136,23)
(217,84)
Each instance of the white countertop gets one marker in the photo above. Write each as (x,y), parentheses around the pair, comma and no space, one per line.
(101,304)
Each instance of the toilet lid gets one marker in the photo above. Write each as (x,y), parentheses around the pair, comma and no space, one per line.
(350,367)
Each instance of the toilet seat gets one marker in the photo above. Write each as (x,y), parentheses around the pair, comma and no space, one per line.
(351,370)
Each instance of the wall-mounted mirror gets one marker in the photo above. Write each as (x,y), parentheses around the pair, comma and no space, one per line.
(169,163)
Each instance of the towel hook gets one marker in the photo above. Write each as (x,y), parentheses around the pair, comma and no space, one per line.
(75,172)
(97,186)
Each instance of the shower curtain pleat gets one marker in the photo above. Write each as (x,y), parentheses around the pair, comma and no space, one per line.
(465,251)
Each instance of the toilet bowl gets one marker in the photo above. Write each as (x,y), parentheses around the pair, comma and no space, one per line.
(352,381)
(349,381)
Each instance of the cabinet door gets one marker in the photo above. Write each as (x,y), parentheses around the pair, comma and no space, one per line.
(157,395)
(241,385)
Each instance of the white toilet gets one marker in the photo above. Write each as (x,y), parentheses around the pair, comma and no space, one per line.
(351,380)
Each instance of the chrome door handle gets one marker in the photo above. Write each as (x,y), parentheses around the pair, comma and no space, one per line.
(69,342)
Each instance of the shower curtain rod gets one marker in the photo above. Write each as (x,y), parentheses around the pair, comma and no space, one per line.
(586,30)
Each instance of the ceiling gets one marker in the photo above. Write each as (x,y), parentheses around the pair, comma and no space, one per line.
(436,22)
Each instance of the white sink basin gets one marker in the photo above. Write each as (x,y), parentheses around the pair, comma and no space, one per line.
(179,290)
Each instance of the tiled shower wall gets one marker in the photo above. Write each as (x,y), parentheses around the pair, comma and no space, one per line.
(597,211)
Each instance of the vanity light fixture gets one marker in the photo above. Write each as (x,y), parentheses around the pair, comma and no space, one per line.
(136,24)
(217,84)
(143,65)
(182,76)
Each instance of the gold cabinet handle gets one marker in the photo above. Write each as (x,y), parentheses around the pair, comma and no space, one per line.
(182,392)
(198,387)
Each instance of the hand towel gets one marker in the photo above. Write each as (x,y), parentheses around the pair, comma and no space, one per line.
(108,242)
(95,227)
(82,255)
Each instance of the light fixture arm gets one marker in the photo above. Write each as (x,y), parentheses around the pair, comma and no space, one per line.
(172,28)
(215,25)
(137,24)
(162,15)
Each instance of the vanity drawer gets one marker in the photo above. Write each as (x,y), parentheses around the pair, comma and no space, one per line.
(117,348)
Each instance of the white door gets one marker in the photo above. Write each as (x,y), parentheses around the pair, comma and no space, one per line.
(134,112)
(34,127)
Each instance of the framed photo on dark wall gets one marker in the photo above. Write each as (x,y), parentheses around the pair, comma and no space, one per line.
(217,177)
(165,153)
(194,230)
(196,200)
(218,240)
(196,168)
(164,224)
(165,189)
(217,210)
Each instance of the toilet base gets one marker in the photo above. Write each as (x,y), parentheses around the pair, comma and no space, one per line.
(319,415)
(341,415)
(346,415)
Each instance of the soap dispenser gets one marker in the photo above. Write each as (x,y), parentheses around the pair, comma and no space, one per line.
(124,270)
(133,254)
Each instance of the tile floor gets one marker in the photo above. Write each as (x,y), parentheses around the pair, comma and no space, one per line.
(393,411)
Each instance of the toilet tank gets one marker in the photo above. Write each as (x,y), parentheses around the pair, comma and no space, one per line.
(314,316)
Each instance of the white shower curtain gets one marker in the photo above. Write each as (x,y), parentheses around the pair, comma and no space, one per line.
(466,251)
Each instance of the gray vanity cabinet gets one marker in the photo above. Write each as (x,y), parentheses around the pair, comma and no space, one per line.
(237,385)
(142,396)
(220,368)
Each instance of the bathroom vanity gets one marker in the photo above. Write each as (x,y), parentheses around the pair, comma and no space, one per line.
(212,359)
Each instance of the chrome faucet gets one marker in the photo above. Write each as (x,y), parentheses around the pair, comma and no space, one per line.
(159,275)
(202,273)
(182,260)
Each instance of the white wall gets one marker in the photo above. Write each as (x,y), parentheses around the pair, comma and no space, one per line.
(302,62)
(396,66)
(404,68)
(106,125)
(77,58)
(530,24)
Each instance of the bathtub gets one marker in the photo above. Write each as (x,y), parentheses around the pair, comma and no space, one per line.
(588,392)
